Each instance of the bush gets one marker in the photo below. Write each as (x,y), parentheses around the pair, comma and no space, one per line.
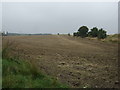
(102,34)
(68,34)
(75,34)
(93,32)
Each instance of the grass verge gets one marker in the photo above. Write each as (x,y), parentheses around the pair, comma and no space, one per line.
(19,74)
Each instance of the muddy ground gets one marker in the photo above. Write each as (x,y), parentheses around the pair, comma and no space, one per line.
(74,61)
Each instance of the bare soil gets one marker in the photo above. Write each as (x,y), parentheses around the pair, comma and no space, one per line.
(78,62)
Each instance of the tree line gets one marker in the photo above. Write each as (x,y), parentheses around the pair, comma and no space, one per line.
(94,32)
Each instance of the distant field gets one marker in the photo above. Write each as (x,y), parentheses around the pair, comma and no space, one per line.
(74,61)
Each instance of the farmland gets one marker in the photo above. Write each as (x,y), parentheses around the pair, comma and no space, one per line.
(77,62)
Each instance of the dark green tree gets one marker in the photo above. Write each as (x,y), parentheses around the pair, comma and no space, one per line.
(75,34)
(102,34)
(68,34)
(83,31)
(93,32)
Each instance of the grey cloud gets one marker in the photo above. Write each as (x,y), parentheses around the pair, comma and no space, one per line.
(62,17)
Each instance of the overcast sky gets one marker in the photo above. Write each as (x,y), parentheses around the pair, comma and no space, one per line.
(62,17)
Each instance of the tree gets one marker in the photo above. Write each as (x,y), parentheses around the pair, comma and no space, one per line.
(102,34)
(75,34)
(68,34)
(93,32)
(83,31)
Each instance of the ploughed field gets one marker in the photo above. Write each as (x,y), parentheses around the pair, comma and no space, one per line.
(77,62)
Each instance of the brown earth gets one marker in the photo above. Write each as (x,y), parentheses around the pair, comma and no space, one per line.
(74,61)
